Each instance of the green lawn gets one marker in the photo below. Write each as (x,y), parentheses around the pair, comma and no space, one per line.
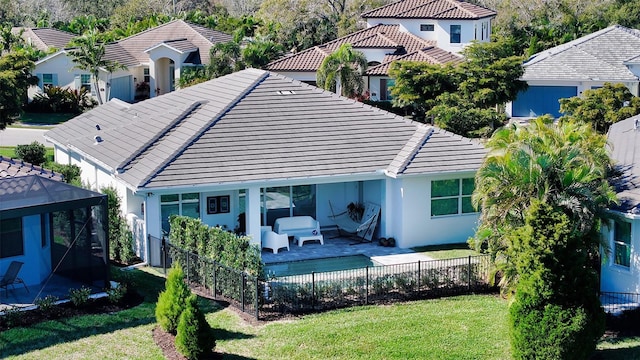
(449,251)
(465,327)
(43,119)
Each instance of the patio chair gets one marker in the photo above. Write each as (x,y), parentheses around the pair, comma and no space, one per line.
(362,229)
(275,241)
(11,277)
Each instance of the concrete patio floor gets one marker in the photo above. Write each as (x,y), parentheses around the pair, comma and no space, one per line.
(342,246)
(57,286)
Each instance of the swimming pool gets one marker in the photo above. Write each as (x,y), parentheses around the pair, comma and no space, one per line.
(318,265)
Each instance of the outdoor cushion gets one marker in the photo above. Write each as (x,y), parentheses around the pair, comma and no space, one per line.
(297,225)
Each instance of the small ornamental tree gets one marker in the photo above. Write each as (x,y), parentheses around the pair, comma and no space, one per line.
(171,301)
(34,153)
(194,336)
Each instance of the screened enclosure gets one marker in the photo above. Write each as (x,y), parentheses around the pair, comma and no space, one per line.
(55,229)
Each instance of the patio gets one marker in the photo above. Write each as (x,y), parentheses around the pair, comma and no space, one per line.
(335,246)
(57,286)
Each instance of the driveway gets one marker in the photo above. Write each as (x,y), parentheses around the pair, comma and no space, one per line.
(21,136)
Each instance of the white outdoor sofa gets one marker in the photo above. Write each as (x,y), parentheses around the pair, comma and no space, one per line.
(302,228)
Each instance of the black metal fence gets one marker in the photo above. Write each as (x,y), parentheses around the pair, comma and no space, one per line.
(275,297)
(615,303)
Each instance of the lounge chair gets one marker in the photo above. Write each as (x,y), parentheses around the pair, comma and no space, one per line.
(274,241)
(362,229)
(11,277)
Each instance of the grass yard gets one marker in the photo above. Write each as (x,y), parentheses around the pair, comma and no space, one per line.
(465,327)
(42,119)
(446,251)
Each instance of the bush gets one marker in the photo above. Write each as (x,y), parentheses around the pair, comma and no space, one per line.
(34,153)
(117,293)
(56,99)
(171,301)
(194,336)
(79,297)
(46,304)
(70,173)
(120,236)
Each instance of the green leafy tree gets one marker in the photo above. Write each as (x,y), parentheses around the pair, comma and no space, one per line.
(260,50)
(226,58)
(562,165)
(171,301)
(345,66)
(120,236)
(9,39)
(70,173)
(89,55)
(601,107)
(15,78)
(194,336)
(34,153)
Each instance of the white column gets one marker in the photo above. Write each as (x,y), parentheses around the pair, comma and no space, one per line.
(152,78)
(252,213)
(153,227)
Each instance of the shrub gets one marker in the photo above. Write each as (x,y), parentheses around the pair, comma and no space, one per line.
(194,336)
(12,316)
(120,236)
(117,293)
(55,99)
(79,297)
(46,304)
(171,301)
(34,153)
(70,173)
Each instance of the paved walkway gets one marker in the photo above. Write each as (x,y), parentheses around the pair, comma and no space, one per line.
(335,247)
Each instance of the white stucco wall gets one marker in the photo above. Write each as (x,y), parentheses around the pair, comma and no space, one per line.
(414,226)
(616,278)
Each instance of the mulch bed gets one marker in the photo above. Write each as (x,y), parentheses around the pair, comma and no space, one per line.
(96,306)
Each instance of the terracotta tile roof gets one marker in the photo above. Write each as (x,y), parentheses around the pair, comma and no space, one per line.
(383,36)
(10,168)
(431,55)
(430,9)
(45,38)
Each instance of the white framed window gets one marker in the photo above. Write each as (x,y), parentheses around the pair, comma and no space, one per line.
(455,34)
(85,81)
(621,243)
(187,204)
(427,27)
(49,80)
(147,77)
(452,197)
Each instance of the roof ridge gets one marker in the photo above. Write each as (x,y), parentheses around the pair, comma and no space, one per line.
(456,4)
(159,135)
(202,130)
(405,156)
(364,14)
(193,27)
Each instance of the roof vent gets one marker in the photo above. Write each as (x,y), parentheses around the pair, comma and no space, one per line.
(98,139)
(285,92)
(636,124)
(97,127)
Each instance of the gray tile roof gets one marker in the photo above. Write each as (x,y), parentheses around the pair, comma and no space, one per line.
(383,36)
(45,38)
(624,139)
(430,9)
(258,126)
(599,56)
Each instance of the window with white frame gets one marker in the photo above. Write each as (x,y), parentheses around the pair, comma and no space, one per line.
(85,81)
(385,89)
(455,32)
(147,77)
(427,27)
(452,197)
(187,204)
(48,80)
(621,243)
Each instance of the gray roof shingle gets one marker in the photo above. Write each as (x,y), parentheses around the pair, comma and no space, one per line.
(599,56)
(255,125)
(45,38)
(624,138)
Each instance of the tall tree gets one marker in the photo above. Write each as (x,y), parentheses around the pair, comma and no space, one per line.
(345,66)
(601,107)
(15,78)
(88,55)
(260,50)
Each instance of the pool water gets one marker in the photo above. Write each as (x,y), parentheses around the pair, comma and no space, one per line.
(318,265)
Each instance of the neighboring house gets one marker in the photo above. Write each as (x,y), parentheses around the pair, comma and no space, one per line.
(259,145)
(432,31)
(609,55)
(51,226)
(45,39)
(621,270)
(154,59)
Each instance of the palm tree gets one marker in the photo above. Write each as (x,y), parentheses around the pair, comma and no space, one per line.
(88,55)
(562,165)
(345,66)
